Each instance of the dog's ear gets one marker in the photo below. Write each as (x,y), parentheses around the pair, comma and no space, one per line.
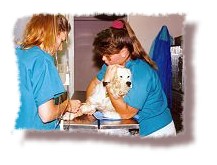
(115,86)
(116,75)
(115,82)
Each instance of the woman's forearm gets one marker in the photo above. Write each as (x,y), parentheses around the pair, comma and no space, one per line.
(49,111)
(124,110)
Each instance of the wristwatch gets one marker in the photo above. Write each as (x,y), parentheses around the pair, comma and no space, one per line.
(104,83)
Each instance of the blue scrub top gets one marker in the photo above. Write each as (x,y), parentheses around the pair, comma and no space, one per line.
(39,82)
(146,95)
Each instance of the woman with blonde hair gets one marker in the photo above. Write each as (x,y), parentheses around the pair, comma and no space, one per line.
(40,83)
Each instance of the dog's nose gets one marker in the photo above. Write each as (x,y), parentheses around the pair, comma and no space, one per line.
(128,83)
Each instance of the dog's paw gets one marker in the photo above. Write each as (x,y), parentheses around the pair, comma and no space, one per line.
(69,116)
(87,109)
(84,108)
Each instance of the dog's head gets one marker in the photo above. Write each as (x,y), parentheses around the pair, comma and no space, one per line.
(123,75)
(121,83)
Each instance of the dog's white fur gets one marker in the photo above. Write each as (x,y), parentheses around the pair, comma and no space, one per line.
(99,99)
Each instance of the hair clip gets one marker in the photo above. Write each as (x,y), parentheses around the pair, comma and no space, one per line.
(117,24)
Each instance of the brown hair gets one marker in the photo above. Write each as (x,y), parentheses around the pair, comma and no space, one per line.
(112,40)
(42,29)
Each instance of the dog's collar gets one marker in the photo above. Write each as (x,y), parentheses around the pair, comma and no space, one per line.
(104,83)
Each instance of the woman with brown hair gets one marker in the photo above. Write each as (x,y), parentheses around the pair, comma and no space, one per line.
(40,83)
(119,47)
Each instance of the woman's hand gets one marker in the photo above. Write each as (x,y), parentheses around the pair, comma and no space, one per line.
(73,106)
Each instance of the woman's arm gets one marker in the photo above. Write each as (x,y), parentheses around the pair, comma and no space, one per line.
(124,110)
(49,111)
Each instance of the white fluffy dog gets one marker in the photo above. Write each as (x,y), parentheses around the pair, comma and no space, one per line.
(99,99)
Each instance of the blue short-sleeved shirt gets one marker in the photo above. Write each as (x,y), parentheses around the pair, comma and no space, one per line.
(146,95)
(39,82)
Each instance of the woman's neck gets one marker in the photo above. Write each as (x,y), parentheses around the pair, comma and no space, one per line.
(43,48)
